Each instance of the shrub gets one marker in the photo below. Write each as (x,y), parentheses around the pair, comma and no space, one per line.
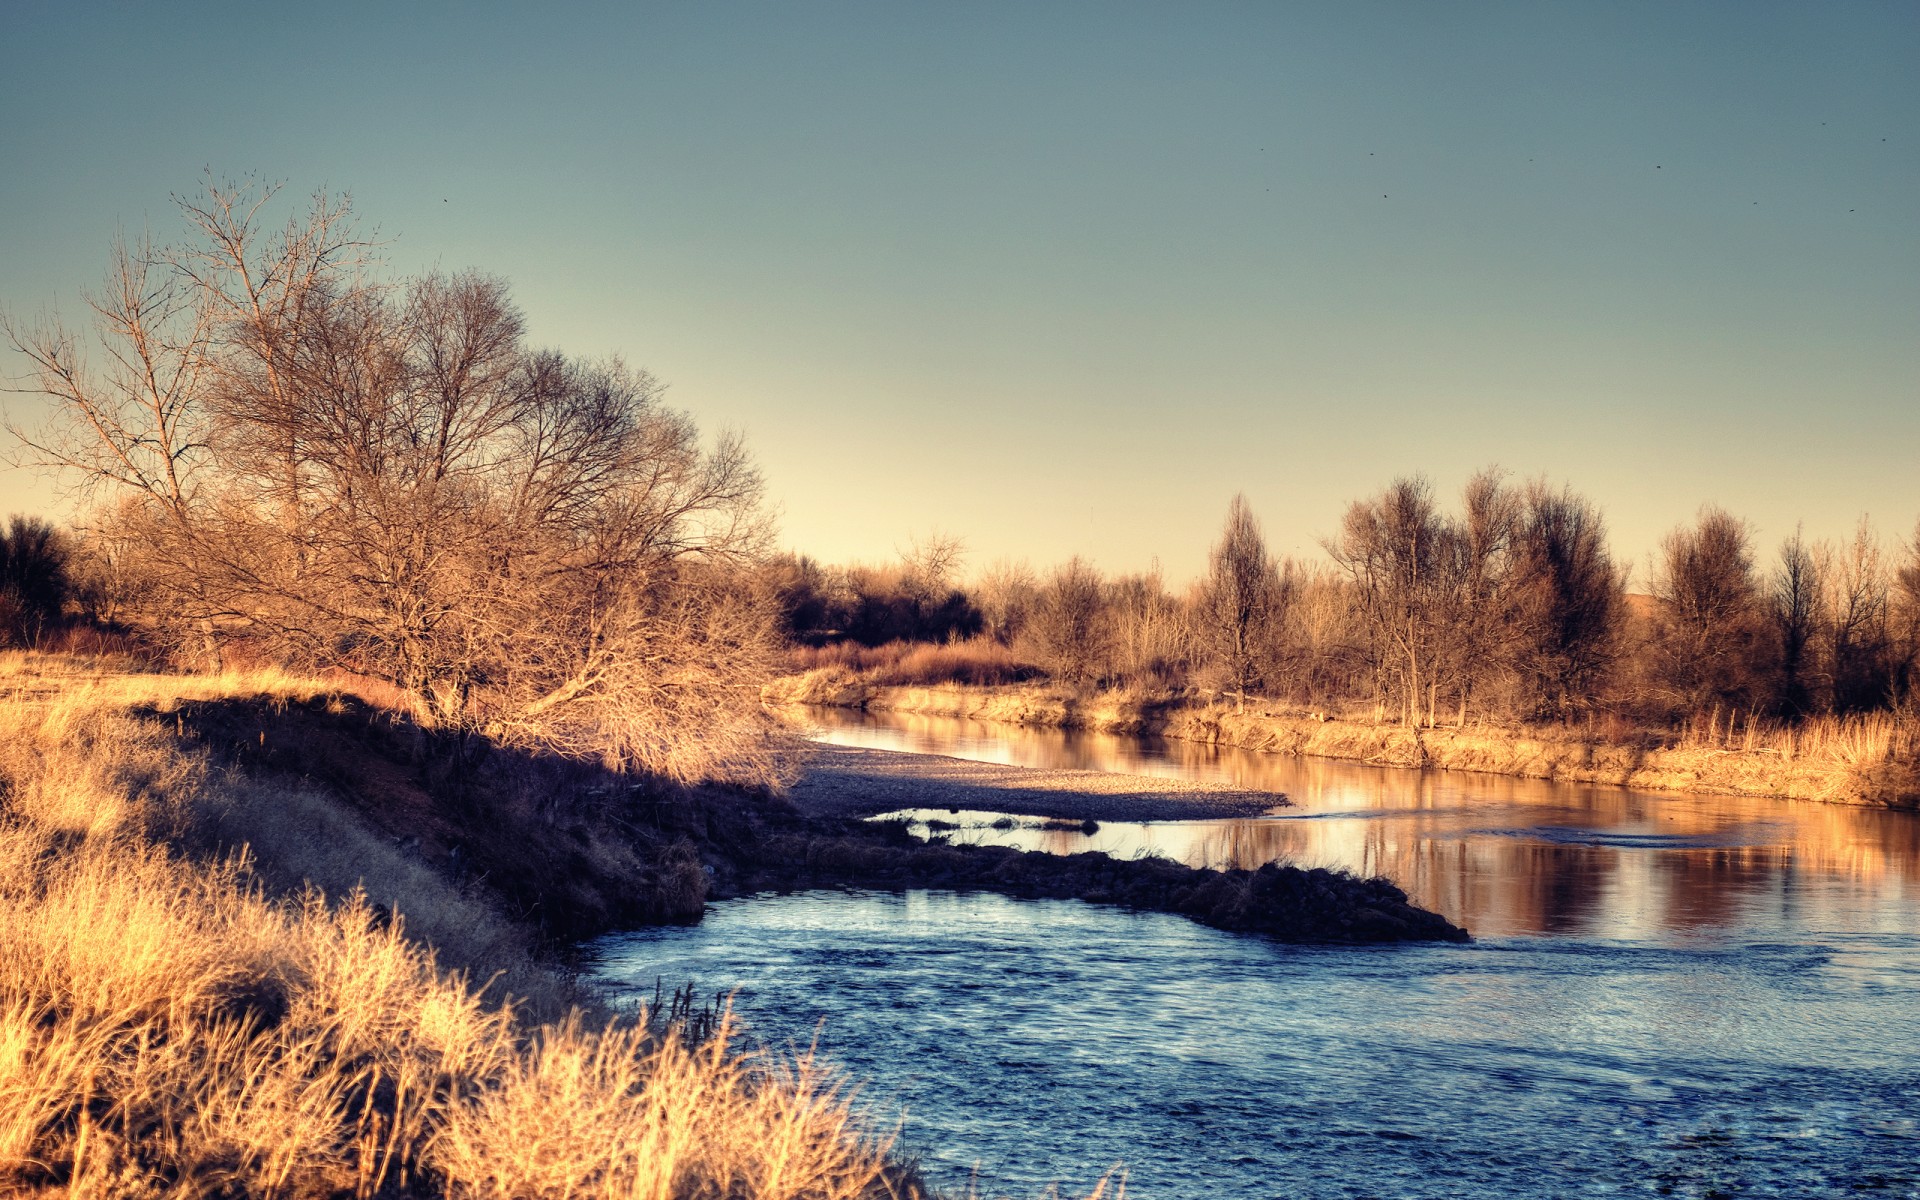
(34,581)
(979,662)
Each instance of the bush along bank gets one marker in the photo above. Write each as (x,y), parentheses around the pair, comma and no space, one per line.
(1862,761)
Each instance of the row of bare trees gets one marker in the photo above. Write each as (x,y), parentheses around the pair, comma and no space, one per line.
(916,599)
(294,453)
(1512,601)
(1830,627)
(1508,606)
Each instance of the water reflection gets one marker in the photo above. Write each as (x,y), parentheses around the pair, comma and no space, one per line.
(1497,854)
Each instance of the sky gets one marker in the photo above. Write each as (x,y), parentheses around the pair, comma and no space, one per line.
(1061,279)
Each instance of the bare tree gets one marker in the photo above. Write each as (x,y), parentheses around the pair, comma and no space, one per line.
(259,290)
(1568,600)
(1007,593)
(1475,626)
(1150,639)
(1904,624)
(1067,632)
(1853,635)
(1241,600)
(1326,638)
(1516,596)
(1391,547)
(932,562)
(382,476)
(136,423)
(1794,603)
(1709,607)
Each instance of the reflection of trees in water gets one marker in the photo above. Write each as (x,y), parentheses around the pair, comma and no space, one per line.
(1473,847)
(1511,882)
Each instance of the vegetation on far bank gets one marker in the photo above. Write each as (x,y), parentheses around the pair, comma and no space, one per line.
(1509,611)
(1498,637)
(1866,759)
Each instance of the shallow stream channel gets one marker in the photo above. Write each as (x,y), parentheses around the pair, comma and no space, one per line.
(1666,995)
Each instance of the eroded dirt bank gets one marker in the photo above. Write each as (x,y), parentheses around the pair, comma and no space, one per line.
(573,851)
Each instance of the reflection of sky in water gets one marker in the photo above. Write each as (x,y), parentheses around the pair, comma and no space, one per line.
(1499,855)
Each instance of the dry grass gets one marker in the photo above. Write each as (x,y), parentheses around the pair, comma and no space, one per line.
(170,1025)
(87,682)
(1859,740)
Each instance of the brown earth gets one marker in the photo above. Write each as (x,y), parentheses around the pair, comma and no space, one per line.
(571,850)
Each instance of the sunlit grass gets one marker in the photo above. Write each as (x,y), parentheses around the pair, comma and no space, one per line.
(169,1027)
(1859,739)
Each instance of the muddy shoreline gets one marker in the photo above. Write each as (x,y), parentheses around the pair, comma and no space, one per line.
(832,846)
(846,781)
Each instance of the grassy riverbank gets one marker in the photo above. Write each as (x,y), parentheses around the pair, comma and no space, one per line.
(222,981)
(1866,761)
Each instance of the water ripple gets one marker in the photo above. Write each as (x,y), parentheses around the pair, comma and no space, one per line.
(1042,1042)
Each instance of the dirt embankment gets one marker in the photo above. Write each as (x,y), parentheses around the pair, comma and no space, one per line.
(1834,777)
(571,850)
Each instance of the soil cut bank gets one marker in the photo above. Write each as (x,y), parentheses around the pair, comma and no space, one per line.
(573,851)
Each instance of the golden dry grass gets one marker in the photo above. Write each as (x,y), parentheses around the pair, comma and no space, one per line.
(1861,739)
(171,1027)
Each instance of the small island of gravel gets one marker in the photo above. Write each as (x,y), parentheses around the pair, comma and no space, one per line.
(821,839)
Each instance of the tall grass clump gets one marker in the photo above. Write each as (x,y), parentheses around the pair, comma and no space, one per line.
(174,1021)
(1854,739)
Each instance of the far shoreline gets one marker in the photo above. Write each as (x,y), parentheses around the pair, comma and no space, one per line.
(1561,755)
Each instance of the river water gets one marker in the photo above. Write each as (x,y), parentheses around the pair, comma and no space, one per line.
(1667,994)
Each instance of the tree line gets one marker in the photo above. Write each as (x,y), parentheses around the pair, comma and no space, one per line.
(294,456)
(1505,606)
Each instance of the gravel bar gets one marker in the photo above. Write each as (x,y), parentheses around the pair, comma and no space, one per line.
(848,781)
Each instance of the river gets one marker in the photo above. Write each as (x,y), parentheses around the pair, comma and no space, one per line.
(1667,994)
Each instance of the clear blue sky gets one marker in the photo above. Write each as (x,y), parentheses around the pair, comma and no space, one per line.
(1062,278)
